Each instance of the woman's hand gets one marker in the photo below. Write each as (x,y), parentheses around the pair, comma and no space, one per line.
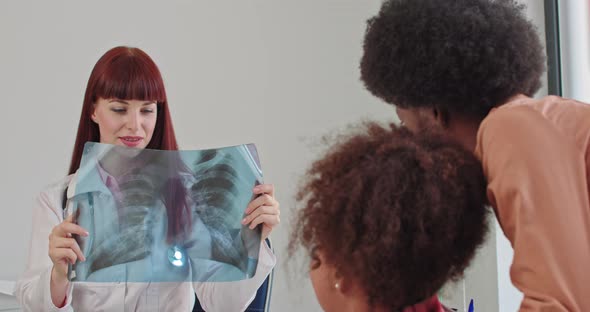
(264,209)
(63,249)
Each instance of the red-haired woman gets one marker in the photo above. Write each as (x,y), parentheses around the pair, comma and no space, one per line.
(125,104)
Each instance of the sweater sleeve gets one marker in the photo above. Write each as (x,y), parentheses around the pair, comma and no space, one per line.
(537,186)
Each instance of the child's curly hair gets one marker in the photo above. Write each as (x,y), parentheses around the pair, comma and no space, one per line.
(400,213)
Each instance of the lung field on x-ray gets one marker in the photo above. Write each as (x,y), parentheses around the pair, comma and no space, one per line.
(214,194)
(135,221)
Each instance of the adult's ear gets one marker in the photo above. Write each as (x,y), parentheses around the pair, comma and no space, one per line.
(441,116)
(93,114)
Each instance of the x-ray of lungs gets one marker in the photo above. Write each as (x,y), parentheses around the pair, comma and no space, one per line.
(165,216)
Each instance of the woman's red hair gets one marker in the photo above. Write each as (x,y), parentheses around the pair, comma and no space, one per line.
(124,73)
(128,73)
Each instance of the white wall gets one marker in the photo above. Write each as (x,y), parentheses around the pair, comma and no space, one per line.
(277,73)
(575,48)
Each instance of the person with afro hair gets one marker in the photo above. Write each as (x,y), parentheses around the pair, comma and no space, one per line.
(389,217)
(470,69)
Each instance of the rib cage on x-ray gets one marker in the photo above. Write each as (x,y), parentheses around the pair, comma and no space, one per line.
(161,207)
(133,239)
(213,193)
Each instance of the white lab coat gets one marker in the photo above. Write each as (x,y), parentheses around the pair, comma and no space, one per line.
(33,288)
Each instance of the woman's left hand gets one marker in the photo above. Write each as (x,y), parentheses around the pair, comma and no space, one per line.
(264,209)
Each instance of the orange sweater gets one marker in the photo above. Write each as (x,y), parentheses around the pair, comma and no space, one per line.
(536,157)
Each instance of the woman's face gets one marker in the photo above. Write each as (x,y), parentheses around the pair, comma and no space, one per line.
(128,123)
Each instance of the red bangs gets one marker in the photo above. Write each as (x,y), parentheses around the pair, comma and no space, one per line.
(128,75)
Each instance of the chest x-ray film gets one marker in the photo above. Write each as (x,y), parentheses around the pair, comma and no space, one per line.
(165,216)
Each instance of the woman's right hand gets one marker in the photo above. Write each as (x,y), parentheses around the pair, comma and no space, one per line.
(64,250)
